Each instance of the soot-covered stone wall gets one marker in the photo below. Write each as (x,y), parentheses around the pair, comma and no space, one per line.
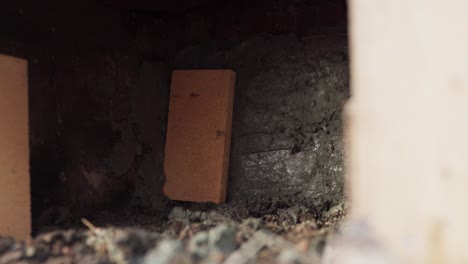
(287,138)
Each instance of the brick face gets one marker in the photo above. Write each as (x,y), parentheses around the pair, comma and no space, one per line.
(15,201)
(198,135)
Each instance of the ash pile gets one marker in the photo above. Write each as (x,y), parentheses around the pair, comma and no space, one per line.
(224,234)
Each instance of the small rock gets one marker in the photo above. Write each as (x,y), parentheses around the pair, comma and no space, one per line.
(307,217)
(203,216)
(69,236)
(137,242)
(39,252)
(215,217)
(50,237)
(179,214)
(289,256)
(198,245)
(248,228)
(198,216)
(334,211)
(251,223)
(11,256)
(168,251)
(5,244)
(223,239)
(30,251)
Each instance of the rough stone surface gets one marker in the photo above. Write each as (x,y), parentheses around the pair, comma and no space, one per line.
(287,137)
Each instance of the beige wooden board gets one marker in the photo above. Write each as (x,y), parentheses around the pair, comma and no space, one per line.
(198,135)
(15,212)
(407,126)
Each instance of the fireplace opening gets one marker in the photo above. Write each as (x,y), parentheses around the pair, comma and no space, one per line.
(99,75)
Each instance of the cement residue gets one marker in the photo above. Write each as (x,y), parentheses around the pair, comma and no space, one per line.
(287,138)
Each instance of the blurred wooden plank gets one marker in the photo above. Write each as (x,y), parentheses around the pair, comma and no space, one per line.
(15,211)
(407,126)
(198,135)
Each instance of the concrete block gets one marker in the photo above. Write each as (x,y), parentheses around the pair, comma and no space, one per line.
(15,200)
(198,135)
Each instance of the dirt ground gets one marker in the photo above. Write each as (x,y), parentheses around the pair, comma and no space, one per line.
(192,233)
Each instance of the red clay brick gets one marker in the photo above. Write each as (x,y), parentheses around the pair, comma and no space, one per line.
(198,135)
(15,209)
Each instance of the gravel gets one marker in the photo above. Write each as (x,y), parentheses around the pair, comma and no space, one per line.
(206,235)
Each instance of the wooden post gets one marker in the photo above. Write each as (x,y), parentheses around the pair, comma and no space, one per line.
(407,126)
(15,211)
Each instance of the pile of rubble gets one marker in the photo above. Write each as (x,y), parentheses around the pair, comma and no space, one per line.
(290,235)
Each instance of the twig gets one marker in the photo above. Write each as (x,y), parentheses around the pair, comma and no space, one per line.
(88,224)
